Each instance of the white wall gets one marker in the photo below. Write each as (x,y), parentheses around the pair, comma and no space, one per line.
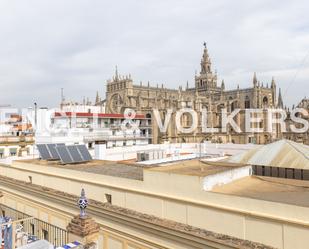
(176,150)
(211,181)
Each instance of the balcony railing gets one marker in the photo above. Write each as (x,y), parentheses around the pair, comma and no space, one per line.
(37,229)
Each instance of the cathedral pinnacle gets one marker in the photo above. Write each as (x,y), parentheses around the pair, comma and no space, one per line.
(273,83)
(116,74)
(222,85)
(97,98)
(254,79)
(280,100)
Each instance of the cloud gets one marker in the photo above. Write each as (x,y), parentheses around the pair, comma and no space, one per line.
(48,45)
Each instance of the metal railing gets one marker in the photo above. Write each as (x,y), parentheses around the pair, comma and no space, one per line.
(35,228)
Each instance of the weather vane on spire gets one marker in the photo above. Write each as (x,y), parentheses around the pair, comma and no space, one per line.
(205,44)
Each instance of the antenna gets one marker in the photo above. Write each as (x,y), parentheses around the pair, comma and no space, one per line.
(62,95)
(35,114)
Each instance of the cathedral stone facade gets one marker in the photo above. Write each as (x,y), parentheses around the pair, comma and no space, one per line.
(298,137)
(122,93)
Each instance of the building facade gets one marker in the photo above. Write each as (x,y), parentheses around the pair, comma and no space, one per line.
(301,137)
(90,128)
(16,137)
(122,93)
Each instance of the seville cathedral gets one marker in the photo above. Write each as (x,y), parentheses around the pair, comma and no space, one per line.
(122,93)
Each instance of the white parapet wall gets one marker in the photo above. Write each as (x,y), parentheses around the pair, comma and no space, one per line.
(130,152)
(226,149)
(175,150)
(226,177)
(169,159)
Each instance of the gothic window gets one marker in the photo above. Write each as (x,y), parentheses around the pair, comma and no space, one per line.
(247,103)
(233,106)
(219,115)
(265,102)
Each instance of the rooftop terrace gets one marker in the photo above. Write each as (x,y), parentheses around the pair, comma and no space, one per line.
(196,167)
(110,168)
(288,191)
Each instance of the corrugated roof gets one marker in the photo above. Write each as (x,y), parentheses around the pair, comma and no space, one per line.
(284,153)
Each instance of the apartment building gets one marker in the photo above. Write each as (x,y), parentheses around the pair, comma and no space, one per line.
(16,137)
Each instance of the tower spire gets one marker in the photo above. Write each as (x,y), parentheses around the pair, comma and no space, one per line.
(222,85)
(97,98)
(205,62)
(255,80)
(280,100)
(206,80)
(273,83)
(116,73)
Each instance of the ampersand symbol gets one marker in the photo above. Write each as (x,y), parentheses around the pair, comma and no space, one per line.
(129,123)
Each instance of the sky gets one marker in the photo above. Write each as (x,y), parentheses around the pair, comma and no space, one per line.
(47,45)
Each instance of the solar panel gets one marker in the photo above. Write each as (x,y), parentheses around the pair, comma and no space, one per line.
(52,151)
(69,154)
(84,152)
(75,154)
(44,152)
(64,154)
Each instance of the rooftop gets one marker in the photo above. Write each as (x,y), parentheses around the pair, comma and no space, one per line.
(196,167)
(110,168)
(98,208)
(284,153)
(288,191)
